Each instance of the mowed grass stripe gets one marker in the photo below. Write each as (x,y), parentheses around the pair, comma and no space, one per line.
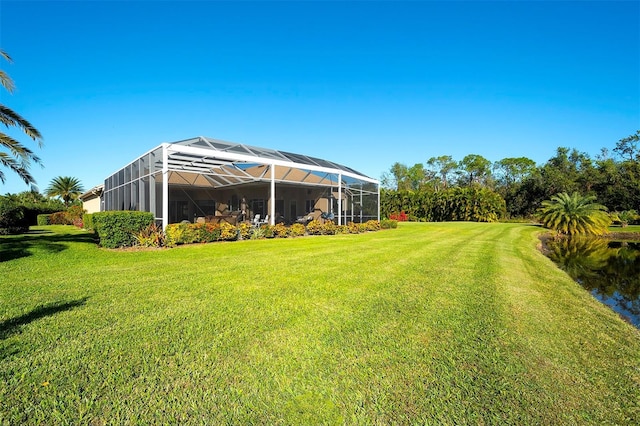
(430,323)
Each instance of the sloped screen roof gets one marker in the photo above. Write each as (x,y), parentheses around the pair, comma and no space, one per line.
(265,153)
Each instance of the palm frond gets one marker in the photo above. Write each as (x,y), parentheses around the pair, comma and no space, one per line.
(17,167)
(11,118)
(24,154)
(7,82)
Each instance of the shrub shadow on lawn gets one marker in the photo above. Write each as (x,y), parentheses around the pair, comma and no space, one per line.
(19,246)
(12,325)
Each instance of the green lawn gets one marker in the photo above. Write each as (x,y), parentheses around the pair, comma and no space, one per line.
(438,323)
(631,228)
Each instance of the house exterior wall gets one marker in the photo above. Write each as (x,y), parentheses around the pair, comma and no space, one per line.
(92,205)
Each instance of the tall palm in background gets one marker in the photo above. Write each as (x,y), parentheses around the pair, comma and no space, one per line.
(16,156)
(574,214)
(66,187)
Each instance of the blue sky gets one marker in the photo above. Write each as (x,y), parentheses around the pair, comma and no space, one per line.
(365,84)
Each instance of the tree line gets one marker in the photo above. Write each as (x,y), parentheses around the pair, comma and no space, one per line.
(612,177)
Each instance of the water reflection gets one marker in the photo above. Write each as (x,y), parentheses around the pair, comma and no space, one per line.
(610,270)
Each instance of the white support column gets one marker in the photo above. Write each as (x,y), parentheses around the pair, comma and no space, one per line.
(361,203)
(272,210)
(352,207)
(165,187)
(340,199)
(378,188)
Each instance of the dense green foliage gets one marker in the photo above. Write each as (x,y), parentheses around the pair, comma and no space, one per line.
(87,222)
(12,219)
(15,156)
(574,214)
(119,228)
(613,179)
(473,203)
(44,219)
(33,204)
(432,323)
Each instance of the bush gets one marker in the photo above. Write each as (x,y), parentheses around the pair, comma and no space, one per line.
(388,224)
(181,233)
(245,230)
(342,229)
(205,232)
(12,219)
(399,217)
(118,228)
(87,222)
(314,228)
(173,234)
(59,218)
(329,228)
(297,230)
(353,228)
(151,236)
(267,231)
(72,216)
(228,232)
(280,230)
(256,233)
(372,225)
(43,219)
(188,233)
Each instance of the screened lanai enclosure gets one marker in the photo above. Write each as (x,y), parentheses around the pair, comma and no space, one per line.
(209,180)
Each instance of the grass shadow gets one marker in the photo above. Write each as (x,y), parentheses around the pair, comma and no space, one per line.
(18,246)
(12,325)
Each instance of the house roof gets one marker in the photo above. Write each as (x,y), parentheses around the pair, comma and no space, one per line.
(94,192)
(211,162)
(264,153)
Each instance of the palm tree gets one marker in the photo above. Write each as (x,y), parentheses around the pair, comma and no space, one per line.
(66,187)
(574,214)
(18,158)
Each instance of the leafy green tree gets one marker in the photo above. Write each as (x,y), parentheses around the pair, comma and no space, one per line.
(403,178)
(398,176)
(66,187)
(628,147)
(574,214)
(443,166)
(477,168)
(511,173)
(417,176)
(16,156)
(512,170)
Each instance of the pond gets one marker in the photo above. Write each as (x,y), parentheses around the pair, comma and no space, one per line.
(610,270)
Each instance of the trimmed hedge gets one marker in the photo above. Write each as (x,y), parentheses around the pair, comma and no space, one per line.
(87,222)
(12,219)
(118,228)
(43,219)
